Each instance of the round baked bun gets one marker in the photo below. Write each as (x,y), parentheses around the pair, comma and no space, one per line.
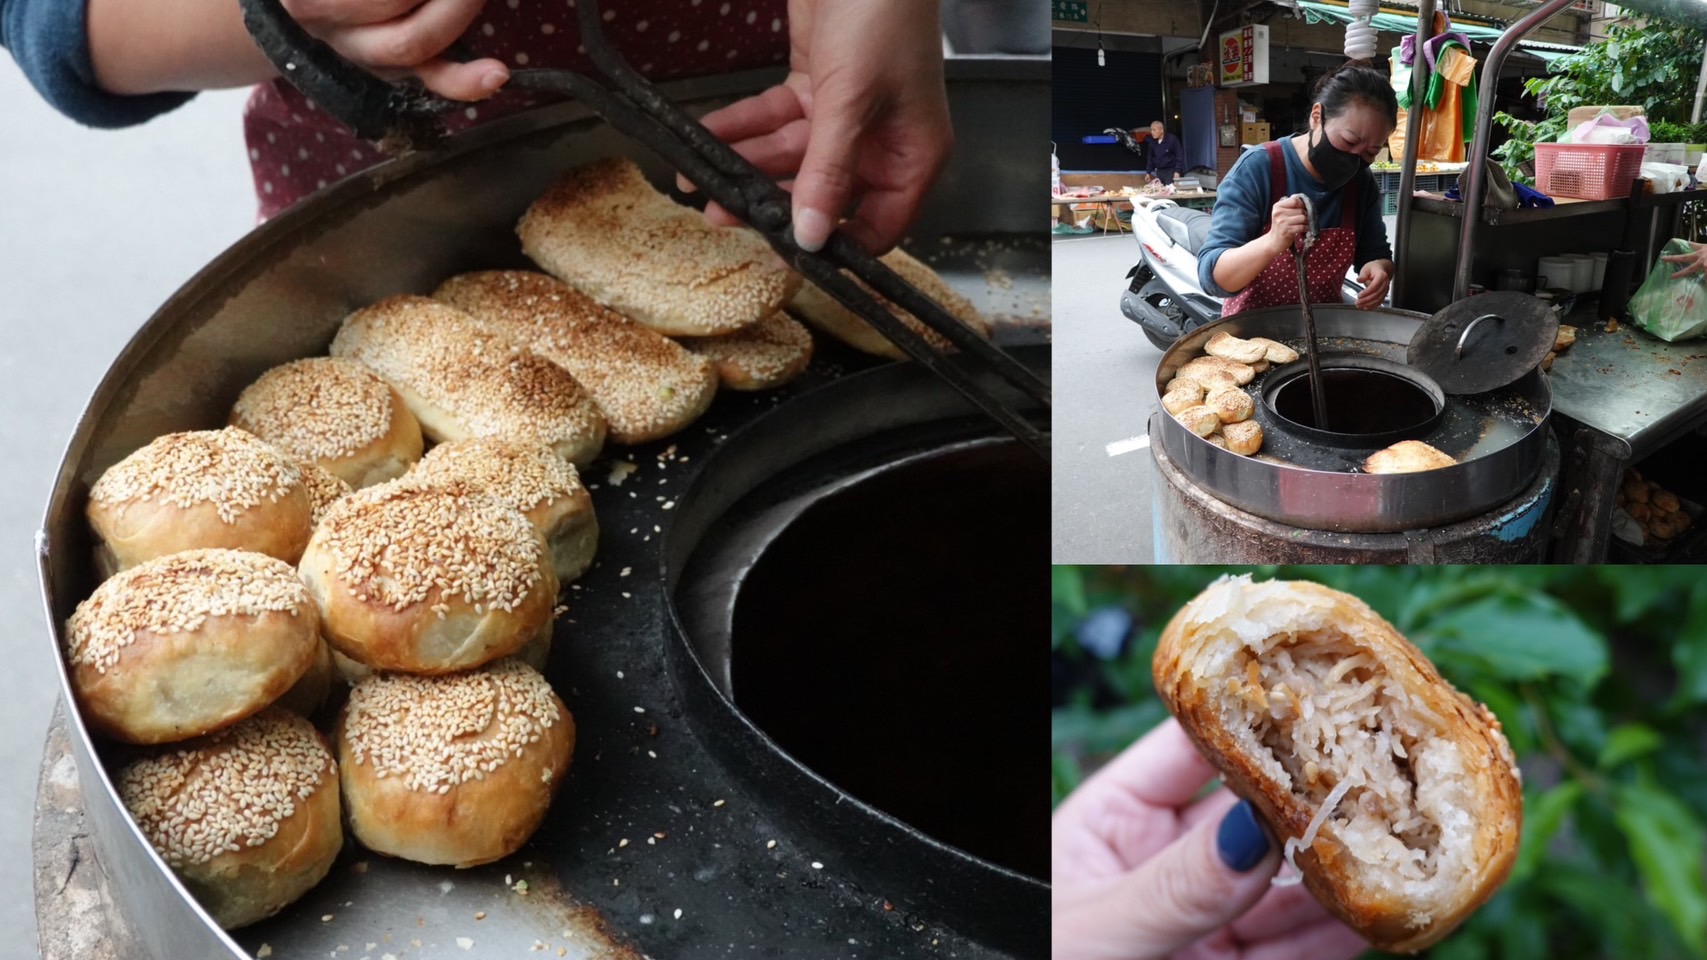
(765,355)
(455,769)
(336,413)
(203,488)
(528,477)
(189,643)
(324,489)
(535,655)
(424,580)
(248,818)
(309,693)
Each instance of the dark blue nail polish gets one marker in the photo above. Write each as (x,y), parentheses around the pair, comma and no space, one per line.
(1240,840)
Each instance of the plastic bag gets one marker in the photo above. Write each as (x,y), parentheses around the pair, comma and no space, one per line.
(1670,309)
(1607,128)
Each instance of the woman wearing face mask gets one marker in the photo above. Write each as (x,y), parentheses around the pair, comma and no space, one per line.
(1247,256)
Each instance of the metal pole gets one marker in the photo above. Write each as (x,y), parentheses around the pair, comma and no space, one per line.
(1407,168)
(1477,189)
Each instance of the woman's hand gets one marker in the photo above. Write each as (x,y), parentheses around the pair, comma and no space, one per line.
(1376,276)
(409,36)
(1287,223)
(862,118)
(1141,870)
(1695,260)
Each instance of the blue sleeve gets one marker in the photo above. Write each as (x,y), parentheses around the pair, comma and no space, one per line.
(49,39)
(1241,208)
(1371,229)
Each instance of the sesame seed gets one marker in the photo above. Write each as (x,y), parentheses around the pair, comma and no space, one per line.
(321,408)
(522,475)
(178,593)
(817,866)
(765,355)
(230,468)
(771,845)
(230,791)
(678,913)
(324,489)
(718,803)
(439,732)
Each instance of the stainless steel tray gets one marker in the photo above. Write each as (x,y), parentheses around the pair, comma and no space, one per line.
(652,778)
(1499,439)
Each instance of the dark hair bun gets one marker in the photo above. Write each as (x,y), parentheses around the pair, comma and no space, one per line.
(1357,80)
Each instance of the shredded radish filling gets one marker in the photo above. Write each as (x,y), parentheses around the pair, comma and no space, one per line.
(1345,733)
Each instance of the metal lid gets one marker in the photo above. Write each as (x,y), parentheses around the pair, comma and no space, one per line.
(1484,342)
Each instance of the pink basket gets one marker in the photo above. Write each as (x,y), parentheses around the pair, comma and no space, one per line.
(1587,171)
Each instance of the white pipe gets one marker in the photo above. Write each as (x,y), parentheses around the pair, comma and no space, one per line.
(1700,90)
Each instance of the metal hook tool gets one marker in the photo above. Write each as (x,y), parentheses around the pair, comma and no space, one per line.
(1300,252)
(403,117)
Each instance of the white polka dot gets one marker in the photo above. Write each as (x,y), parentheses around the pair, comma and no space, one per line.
(514,4)
(284,169)
(320,137)
(302,153)
(646,68)
(674,36)
(610,15)
(357,154)
(548,28)
(488,29)
(296,118)
(254,154)
(723,10)
(272,139)
(703,46)
(522,58)
(267,187)
(471,113)
(731,54)
(776,25)
(341,170)
(641,26)
(320,185)
(752,16)
(696,2)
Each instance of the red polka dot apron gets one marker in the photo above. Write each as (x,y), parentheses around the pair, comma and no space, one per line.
(1325,265)
(295,149)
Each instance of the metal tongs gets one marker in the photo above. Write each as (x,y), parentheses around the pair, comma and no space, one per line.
(404,117)
(1301,252)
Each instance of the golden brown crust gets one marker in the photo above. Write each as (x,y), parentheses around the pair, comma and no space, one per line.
(763,356)
(604,230)
(1196,671)
(335,413)
(646,385)
(827,314)
(1407,456)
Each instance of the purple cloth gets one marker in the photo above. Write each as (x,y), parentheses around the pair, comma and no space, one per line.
(1431,49)
(1408,49)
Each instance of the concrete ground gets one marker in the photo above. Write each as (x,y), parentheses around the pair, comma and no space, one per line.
(97,228)
(1103,371)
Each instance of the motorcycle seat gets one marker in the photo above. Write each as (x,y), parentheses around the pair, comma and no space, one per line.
(1188,228)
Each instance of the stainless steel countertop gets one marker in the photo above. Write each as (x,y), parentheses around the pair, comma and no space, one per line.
(1628,384)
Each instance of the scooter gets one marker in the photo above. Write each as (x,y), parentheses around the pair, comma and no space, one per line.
(1163,295)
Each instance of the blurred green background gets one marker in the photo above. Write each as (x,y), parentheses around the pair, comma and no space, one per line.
(1598,674)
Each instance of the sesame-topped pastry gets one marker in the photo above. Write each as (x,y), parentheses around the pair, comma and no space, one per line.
(527,477)
(827,313)
(185,644)
(767,354)
(646,384)
(452,770)
(248,818)
(324,489)
(425,580)
(202,488)
(463,381)
(336,413)
(606,231)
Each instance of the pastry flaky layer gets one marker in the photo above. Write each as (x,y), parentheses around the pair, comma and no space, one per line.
(1395,795)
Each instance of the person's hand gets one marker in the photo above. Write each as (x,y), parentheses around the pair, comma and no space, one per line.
(1139,870)
(392,37)
(1695,260)
(1376,276)
(862,118)
(1287,223)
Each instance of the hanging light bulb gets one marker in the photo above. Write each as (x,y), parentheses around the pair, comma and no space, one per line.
(1102,57)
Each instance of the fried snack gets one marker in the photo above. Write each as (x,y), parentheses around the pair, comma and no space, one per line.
(1200,419)
(1182,385)
(1566,336)
(1397,796)
(1277,352)
(606,231)
(827,314)
(1218,368)
(1243,438)
(335,413)
(1407,456)
(763,356)
(1229,347)
(1179,401)
(1231,404)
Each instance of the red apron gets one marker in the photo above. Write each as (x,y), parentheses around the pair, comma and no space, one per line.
(1325,265)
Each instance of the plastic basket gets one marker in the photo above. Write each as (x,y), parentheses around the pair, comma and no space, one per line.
(1587,171)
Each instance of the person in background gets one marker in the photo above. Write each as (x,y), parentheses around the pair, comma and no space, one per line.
(1167,154)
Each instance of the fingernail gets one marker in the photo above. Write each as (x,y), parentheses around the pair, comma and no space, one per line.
(1240,841)
(493,80)
(684,184)
(811,229)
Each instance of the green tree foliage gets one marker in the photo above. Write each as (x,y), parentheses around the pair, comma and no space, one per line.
(1654,66)
(1598,676)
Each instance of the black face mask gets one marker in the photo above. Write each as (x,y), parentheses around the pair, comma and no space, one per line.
(1335,165)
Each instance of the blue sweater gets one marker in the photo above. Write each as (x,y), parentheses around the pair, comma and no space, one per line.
(1242,203)
(50,41)
(1166,154)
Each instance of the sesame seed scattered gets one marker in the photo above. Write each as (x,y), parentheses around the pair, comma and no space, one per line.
(479,914)
(466,943)
(765,355)
(324,489)
(177,593)
(522,475)
(771,845)
(718,803)
(438,732)
(321,408)
(817,866)
(678,913)
(623,842)
(400,543)
(230,468)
